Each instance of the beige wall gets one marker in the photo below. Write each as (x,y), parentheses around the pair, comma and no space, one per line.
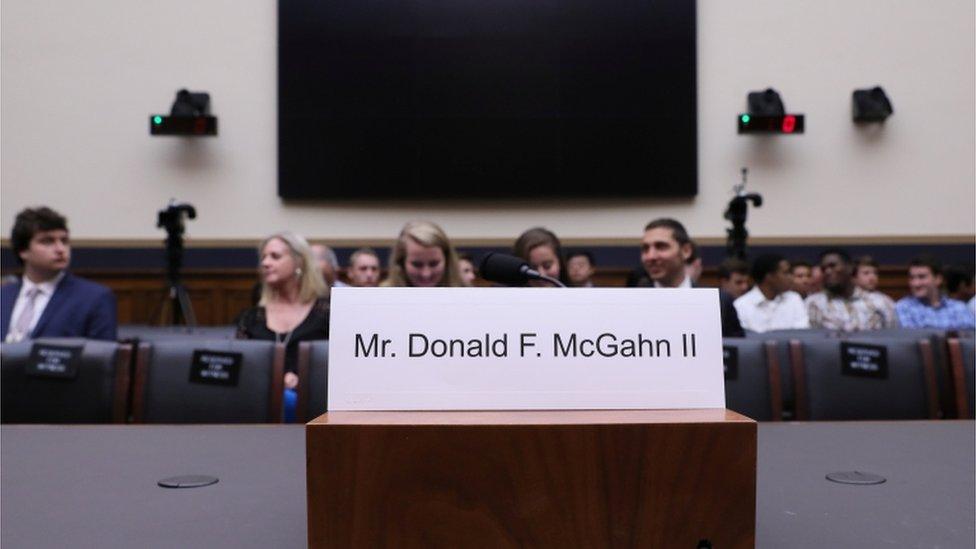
(80,78)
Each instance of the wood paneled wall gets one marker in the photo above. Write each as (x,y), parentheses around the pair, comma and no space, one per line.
(218,296)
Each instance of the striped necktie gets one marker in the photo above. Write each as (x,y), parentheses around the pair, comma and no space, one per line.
(23,323)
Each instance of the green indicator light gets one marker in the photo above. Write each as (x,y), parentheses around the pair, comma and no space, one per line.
(745,118)
(157,120)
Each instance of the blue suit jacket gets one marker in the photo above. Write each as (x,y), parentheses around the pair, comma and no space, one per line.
(78,308)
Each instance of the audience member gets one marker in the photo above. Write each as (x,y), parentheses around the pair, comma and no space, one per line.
(294,304)
(771,304)
(364,268)
(328,265)
(866,273)
(665,249)
(542,250)
(48,301)
(802,278)
(468,272)
(928,307)
(733,277)
(866,278)
(423,257)
(580,267)
(959,284)
(843,306)
(816,279)
(693,266)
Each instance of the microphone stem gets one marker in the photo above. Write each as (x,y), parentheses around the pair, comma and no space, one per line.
(554,281)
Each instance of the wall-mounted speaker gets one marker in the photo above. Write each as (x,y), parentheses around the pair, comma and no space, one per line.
(871,105)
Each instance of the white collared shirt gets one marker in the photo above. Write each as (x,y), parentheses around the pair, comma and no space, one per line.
(45,291)
(784,312)
(686,283)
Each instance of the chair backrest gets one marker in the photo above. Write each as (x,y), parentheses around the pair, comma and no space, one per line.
(832,385)
(962,358)
(166,390)
(143,332)
(98,393)
(313,379)
(797,333)
(782,339)
(752,378)
(939,353)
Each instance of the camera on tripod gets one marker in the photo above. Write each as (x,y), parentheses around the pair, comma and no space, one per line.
(735,244)
(175,307)
(171,218)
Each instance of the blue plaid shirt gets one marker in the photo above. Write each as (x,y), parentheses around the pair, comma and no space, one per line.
(949,314)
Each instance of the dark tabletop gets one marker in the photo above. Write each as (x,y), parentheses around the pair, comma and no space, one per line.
(95,486)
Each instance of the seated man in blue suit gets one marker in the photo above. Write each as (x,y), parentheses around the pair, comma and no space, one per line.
(48,301)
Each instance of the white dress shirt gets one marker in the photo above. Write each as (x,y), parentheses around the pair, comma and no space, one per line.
(784,312)
(686,283)
(44,292)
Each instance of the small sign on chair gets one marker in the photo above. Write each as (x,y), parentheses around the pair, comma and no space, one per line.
(730,359)
(58,361)
(864,360)
(215,367)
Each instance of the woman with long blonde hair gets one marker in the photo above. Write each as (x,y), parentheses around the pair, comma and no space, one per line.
(423,257)
(294,304)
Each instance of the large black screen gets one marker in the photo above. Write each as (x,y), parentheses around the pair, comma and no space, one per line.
(490,98)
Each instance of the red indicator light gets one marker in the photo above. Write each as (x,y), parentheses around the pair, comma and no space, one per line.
(789,123)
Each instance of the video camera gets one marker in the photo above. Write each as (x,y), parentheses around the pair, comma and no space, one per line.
(171,218)
(735,244)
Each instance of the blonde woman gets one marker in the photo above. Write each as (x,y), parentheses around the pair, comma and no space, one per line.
(423,257)
(294,304)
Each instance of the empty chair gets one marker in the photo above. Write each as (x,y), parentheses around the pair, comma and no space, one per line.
(782,339)
(939,354)
(313,375)
(80,381)
(752,378)
(962,357)
(866,378)
(208,381)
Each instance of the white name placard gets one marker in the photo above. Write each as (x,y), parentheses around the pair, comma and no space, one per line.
(525,348)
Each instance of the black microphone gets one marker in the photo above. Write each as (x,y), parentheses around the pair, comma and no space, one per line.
(510,270)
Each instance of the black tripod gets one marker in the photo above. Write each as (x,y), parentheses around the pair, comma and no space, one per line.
(175,308)
(735,243)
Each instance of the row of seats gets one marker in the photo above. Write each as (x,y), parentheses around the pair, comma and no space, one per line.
(145,332)
(781,375)
(801,375)
(152,382)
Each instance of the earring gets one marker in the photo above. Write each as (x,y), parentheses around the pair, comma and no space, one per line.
(298,271)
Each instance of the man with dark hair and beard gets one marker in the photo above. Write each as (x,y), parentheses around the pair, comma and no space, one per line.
(665,249)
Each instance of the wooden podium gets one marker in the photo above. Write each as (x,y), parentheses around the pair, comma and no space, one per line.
(609,478)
